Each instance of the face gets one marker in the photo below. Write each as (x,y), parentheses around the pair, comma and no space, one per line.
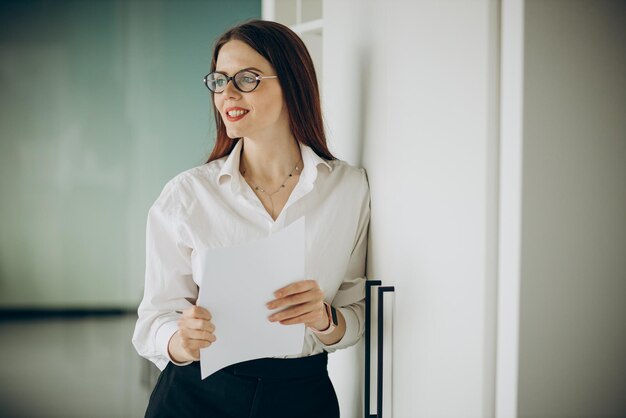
(259,114)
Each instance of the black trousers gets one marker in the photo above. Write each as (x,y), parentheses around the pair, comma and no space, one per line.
(268,387)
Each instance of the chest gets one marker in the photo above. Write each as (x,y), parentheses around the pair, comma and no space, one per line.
(274,200)
(330,225)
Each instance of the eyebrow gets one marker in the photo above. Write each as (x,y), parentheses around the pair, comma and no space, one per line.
(243,69)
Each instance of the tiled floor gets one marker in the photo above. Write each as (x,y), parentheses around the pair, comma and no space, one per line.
(83,367)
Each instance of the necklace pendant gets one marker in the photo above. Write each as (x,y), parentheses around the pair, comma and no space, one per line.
(282,186)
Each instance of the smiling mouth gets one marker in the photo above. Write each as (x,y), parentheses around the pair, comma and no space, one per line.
(235,115)
(237,112)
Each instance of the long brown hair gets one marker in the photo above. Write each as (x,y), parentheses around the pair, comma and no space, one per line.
(288,55)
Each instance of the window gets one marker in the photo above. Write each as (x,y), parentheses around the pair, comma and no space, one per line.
(304,17)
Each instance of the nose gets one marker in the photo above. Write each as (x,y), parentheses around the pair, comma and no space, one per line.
(231,92)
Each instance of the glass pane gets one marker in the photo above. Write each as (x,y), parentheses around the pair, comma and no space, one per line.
(286,11)
(94,100)
(311,10)
(313,42)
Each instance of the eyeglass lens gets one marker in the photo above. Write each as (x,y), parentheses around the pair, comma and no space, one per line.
(244,81)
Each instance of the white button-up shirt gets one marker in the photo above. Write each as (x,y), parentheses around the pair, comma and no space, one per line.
(212,206)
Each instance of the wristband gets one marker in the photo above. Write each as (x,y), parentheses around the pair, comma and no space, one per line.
(331,312)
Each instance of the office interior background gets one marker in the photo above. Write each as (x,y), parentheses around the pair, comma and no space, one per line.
(494,137)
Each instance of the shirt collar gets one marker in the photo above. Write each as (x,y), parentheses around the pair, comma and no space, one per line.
(311,161)
(230,169)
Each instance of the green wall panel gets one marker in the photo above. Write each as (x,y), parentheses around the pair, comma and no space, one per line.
(102,102)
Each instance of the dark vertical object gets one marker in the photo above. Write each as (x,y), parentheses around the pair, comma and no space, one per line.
(379,404)
(368,337)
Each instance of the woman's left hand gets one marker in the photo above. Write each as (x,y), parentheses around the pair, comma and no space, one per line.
(303,303)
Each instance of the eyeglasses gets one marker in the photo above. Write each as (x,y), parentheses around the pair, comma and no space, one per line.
(245,81)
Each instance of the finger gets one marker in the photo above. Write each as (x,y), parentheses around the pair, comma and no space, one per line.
(297,287)
(295,311)
(194,323)
(309,317)
(192,347)
(192,334)
(315,294)
(197,312)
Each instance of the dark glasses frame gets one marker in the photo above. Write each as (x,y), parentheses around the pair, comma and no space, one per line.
(257,77)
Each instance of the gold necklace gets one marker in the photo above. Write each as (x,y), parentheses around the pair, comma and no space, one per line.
(258,188)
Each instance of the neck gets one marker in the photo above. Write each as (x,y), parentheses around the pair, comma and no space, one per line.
(270,161)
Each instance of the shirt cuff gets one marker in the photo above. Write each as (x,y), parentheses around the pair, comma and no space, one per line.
(351,335)
(163,336)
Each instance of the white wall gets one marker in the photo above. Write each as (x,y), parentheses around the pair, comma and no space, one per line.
(573,271)
(344,43)
(510,207)
(410,93)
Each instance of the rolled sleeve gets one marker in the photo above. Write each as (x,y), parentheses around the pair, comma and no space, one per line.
(354,320)
(162,339)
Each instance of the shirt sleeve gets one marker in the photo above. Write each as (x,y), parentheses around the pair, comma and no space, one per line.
(169,284)
(350,298)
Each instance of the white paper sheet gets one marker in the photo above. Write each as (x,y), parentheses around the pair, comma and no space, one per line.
(236,284)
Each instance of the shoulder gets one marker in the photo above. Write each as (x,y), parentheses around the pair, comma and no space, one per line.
(348,175)
(179,193)
(351,188)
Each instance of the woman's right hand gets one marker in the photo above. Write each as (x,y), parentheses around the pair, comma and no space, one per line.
(195,331)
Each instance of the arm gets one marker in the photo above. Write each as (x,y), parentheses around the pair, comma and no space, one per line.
(337,334)
(195,331)
(169,285)
(350,298)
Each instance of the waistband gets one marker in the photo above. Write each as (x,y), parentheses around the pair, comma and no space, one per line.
(281,368)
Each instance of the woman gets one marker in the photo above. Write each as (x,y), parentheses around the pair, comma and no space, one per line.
(270,166)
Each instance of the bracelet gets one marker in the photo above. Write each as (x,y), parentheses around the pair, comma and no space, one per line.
(332,319)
